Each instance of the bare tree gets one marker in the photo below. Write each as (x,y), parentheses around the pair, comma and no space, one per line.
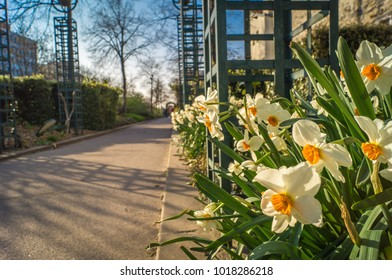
(149,68)
(158,90)
(117,32)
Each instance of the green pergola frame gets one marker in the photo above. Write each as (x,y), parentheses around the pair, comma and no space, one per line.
(190,48)
(67,69)
(216,17)
(7,101)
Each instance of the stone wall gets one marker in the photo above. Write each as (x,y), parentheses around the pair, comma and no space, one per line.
(365,11)
(352,12)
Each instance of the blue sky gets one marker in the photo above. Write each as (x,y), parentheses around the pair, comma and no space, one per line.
(82,16)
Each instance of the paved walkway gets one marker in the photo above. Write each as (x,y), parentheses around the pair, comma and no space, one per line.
(95,199)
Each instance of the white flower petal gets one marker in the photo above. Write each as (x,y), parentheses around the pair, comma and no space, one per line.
(387,173)
(333,167)
(387,51)
(338,153)
(255,143)
(279,143)
(283,115)
(240,146)
(369,53)
(280,223)
(384,86)
(200,99)
(334,156)
(306,132)
(273,129)
(369,127)
(249,164)
(266,205)
(300,180)
(272,179)
(307,210)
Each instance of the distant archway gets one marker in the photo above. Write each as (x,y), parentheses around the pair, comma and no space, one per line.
(170,106)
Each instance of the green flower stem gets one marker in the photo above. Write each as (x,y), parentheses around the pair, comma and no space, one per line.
(387,101)
(377,187)
(297,151)
(259,161)
(275,154)
(247,120)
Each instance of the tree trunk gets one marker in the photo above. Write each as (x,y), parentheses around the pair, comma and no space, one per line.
(123,109)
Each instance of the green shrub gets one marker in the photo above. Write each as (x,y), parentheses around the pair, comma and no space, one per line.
(100,104)
(354,34)
(136,104)
(34,98)
(135,117)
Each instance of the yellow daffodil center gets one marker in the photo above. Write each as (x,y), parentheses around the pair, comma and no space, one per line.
(282,203)
(253,110)
(341,74)
(371,71)
(206,215)
(311,154)
(208,123)
(371,150)
(245,145)
(273,120)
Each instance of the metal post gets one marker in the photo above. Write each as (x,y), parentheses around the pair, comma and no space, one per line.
(71,69)
(152,81)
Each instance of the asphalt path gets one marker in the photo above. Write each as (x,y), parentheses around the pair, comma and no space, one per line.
(95,199)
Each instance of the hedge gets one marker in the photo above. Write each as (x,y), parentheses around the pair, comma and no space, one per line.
(380,34)
(37,101)
(34,98)
(100,105)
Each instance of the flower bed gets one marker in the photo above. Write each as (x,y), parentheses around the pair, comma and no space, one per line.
(312,179)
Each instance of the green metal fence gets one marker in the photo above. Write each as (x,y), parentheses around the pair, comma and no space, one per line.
(7,102)
(246,45)
(190,48)
(67,69)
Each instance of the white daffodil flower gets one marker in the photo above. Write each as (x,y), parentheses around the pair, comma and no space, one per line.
(290,196)
(239,103)
(207,212)
(320,110)
(273,114)
(211,121)
(374,65)
(255,105)
(278,141)
(250,122)
(247,144)
(317,152)
(387,173)
(235,167)
(204,103)
(379,146)
(251,163)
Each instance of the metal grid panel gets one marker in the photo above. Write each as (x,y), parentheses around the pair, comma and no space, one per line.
(247,42)
(67,69)
(7,103)
(191,63)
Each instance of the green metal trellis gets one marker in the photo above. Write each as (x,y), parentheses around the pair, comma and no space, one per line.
(190,48)
(67,68)
(67,64)
(7,102)
(247,43)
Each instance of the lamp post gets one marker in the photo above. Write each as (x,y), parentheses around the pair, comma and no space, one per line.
(66,6)
(152,80)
